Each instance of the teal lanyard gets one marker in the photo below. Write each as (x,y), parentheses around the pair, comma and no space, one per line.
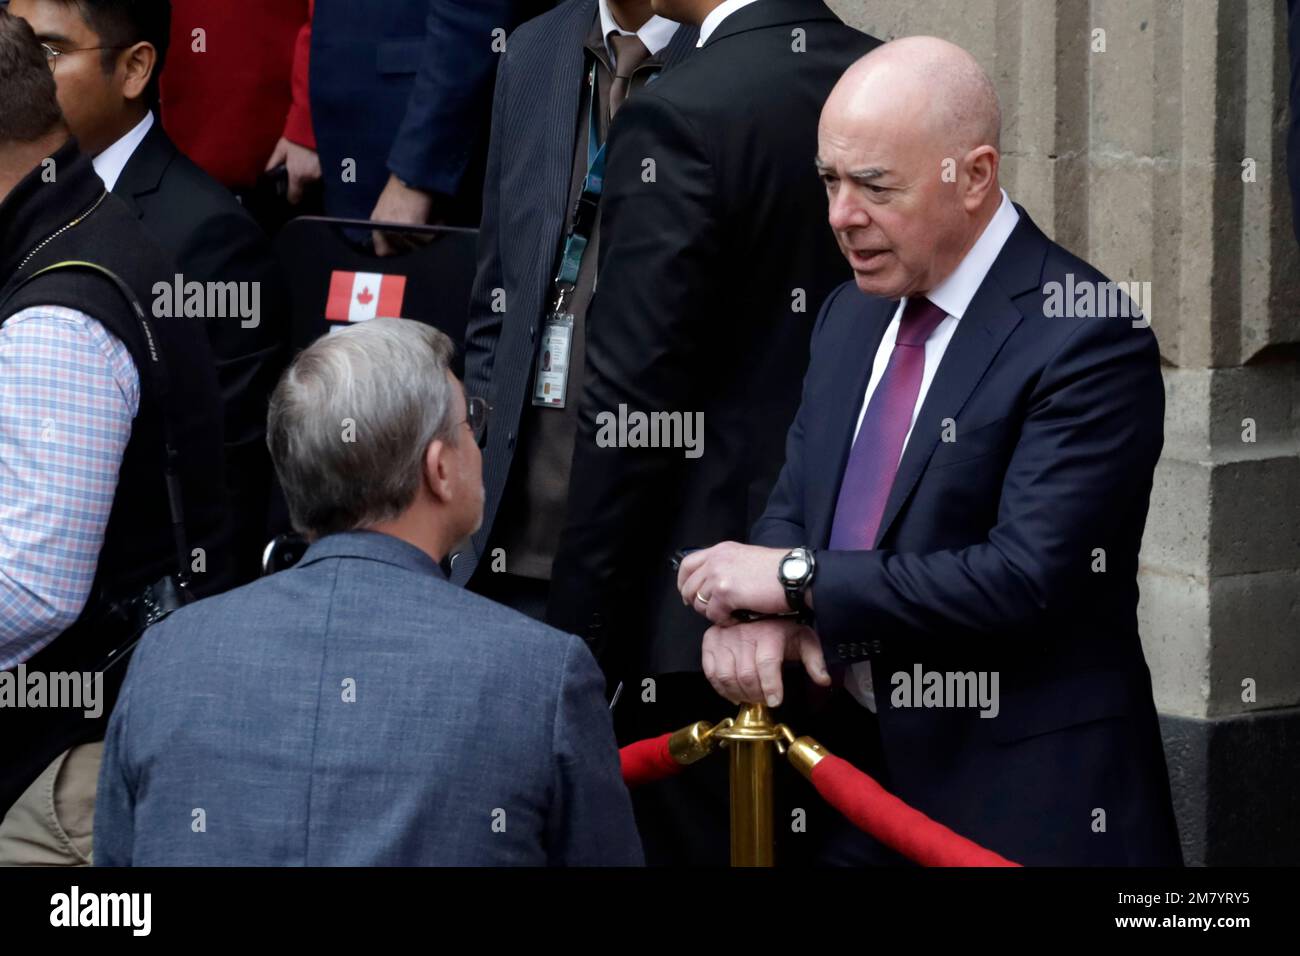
(595,181)
(584,215)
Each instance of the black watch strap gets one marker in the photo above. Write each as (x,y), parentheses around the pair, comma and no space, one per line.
(794,597)
(795,590)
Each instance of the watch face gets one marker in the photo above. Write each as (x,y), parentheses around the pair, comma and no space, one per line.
(794,568)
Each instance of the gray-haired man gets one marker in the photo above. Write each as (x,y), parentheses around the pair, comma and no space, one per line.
(358,709)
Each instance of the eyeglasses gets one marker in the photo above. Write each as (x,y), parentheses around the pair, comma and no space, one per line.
(478,411)
(52,55)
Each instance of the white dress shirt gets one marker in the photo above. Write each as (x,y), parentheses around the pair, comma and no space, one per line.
(655,33)
(717,15)
(953,295)
(110,163)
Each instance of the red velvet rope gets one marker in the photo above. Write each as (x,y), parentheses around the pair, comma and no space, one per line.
(647,761)
(853,793)
(904,829)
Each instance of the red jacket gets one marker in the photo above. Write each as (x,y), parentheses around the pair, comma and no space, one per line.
(226,107)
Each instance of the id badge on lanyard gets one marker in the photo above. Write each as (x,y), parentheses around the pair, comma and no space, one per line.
(552,378)
(555,351)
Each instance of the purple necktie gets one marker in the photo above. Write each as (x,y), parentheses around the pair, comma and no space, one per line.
(873,462)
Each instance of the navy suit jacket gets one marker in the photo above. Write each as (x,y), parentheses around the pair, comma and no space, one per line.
(987,560)
(358,709)
(404,86)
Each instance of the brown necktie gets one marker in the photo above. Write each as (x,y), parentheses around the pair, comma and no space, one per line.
(629,53)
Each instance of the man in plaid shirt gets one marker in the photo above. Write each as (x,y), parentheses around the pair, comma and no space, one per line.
(84,518)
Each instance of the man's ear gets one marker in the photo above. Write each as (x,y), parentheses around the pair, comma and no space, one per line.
(139,62)
(981,175)
(437,473)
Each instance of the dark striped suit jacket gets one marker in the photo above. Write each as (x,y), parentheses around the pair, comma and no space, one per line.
(525,210)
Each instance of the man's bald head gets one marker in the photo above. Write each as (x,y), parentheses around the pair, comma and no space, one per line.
(908,150)
(938,84)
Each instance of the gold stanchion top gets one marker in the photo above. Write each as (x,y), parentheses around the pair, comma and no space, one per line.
(752,723)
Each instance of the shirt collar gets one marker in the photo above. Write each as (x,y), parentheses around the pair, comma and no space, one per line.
(110,163)
(655,33)
(717,15)
(954,293)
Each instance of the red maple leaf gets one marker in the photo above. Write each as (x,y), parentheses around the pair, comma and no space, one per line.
(365,298)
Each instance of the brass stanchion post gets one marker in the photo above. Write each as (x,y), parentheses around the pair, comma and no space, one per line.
(750,739)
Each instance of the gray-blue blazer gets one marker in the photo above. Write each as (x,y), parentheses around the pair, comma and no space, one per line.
(358,709)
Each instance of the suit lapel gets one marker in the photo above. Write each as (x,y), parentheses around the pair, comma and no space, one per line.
(144,171)
(979,335)
(558,134)
(990,318)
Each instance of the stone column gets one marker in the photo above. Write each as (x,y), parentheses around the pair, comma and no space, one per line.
(1148,137)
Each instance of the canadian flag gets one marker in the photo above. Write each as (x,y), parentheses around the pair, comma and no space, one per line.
(357,296)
